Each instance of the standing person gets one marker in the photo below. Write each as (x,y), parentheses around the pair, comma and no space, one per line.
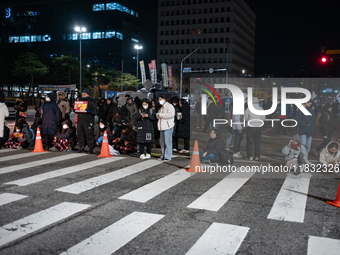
(85,126)
(155,107)
(254,132)
(3,114)
(132,112)
(335,109)
(306,125)
(200,117)
(238,130)
(39,108)
(165,125)
(50,122)
(183,126)
(326,124)
(145,131)
(174,101)
(211,115)
(64,106)
(21,108)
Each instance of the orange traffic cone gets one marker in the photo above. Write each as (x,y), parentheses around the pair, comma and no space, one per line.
(38,147)
(336,202)
(195,164)
(105,150)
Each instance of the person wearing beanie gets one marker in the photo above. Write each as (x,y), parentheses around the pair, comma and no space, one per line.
(326,124)
(295,153)
(85,124)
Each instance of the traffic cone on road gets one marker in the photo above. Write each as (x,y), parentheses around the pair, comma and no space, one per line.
(336,202)
(195,164)
(38,147)
(105,150)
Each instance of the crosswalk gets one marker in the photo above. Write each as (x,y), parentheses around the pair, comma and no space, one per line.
(218,238)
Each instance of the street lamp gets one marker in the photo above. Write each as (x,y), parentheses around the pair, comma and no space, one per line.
(181,79)
(80,30)
(137,47)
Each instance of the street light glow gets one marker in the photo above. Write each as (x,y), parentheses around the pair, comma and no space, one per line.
(138,47)
(78,29)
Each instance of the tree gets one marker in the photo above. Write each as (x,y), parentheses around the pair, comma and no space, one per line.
(129,82)
(29,64)
(65,69)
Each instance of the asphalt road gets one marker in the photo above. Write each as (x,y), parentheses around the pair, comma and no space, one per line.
(81,204)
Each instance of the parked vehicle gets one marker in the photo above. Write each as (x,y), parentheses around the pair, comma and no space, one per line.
(11,110)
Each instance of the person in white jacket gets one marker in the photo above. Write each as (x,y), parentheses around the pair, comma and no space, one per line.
(3,114)
(330,156)
(165,124)
(254,131)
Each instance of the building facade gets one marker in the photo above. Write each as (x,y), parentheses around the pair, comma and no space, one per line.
(223,30)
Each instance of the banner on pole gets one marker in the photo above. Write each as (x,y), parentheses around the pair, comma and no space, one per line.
(142,71)
(57,87)
(164,75)
(154,77)
(170,76)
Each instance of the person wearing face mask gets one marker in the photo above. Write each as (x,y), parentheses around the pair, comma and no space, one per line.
(66,139)
(132,112)
(145,131)
(165,125)
(295,154)
(103,126)
(330,157)
(17,139)
(50,120)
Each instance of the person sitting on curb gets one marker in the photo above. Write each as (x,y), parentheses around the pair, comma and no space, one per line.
(103,126)
(295,152)
(127,141)
(66,139)
(214,147)
(330,157)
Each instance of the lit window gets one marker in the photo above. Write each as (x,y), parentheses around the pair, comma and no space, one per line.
(13,39)
(125,9)
(96,35)
(134,40)
(85,36)
(137,14)
(110,34)
(35,38)
(24,39)
(98,7)
(73,36)
(113,6)
(132,12)
(120,36)
(46,38)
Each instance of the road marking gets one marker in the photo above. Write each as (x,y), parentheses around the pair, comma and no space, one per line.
(34,222)
(115,236)
(10,169)
(323,246)
(20,156)
(289,205)
(92,183)
(218,195)
(7,198)
(8,150)
(63,171)
(149,191)
(219,239)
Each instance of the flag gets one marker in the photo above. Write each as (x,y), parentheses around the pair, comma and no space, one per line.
(151,71)
(142,71)
(154,77)
(170,76)
(164,75)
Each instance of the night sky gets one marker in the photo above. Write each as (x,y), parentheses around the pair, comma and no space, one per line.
(289,33)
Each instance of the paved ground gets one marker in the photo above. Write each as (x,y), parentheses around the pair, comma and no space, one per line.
(53,202)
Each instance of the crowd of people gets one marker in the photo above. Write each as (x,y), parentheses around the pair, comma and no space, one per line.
(136,126)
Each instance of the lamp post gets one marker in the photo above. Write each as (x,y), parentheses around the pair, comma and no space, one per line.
(181,80)
(137,47)
(80,30)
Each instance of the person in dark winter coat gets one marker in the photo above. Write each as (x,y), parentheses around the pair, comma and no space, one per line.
(212,114)
(85,125)
(306,125)
(127,141)
(103,126)
(51,119)
(39,108)
(183,125)
(66,139)
(155,108)
(174,101)
(327,127)
(214,146)
(145,131)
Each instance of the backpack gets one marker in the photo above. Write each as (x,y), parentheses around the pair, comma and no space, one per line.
(318,120)
(224,158)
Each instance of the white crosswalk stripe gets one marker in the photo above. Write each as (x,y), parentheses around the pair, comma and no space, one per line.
(115,236)
(64,171)
(218,195)
(291,201)
(6,198)
(155,188)
(219,239)
(14,168)
(34,222)
(9,150)
(22,155)
(323,246)
(92,183)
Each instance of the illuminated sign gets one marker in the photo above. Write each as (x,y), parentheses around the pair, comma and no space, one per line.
(7,12)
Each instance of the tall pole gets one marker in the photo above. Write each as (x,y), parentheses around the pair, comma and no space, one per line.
(181,80)
(137,70)
(80,61)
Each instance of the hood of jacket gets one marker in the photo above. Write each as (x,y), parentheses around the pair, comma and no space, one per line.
(50,95)
(329,144)
(68,122)
(2,105)
(297,138)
